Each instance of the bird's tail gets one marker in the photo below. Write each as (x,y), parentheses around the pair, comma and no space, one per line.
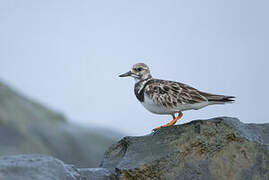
(224,99)
(218,98)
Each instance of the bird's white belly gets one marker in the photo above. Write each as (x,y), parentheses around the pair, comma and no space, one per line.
(195,106)
(153,107)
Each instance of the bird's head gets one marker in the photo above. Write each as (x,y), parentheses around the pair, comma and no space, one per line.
(139,71)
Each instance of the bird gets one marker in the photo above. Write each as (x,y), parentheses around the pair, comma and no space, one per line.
(169,97)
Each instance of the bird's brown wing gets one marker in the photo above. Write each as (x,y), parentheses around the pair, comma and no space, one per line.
(172,94)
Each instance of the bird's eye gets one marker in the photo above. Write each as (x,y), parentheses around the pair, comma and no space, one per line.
(139,69)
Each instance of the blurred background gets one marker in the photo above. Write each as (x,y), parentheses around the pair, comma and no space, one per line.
(68,55)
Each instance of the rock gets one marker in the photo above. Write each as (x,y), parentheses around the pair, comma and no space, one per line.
(97,174)
(27,127)
(216,149)
(35,167)
(41,167)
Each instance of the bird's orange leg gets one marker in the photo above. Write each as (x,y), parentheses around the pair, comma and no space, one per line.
(180,114)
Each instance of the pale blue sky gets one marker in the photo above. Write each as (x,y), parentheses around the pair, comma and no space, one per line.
(67,54)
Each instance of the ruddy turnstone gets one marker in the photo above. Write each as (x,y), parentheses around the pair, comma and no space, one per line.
(169,97)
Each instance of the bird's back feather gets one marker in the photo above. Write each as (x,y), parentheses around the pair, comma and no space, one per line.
(174,94)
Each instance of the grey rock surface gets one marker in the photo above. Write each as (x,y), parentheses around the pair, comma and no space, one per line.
(35,167)
(42,167)
(27,127)
(97,174)
(215,149)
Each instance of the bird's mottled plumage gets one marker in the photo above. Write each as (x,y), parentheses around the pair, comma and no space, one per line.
(173,94)
(169,97)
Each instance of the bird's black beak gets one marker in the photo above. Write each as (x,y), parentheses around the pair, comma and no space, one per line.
(129,73)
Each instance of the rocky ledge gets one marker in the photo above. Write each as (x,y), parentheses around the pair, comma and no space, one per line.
(215,149)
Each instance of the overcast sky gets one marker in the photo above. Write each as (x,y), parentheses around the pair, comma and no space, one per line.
(68,55)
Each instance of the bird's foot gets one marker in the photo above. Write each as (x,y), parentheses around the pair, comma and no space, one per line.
(180,114)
